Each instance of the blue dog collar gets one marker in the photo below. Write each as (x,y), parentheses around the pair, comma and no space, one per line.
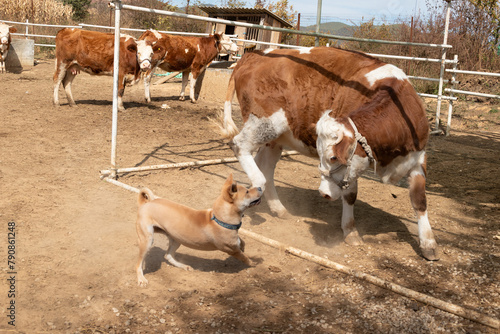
(228,226)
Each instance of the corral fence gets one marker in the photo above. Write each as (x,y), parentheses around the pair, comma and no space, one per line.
(446,94)
(111,174)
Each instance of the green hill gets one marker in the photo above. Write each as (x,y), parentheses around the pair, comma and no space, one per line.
(334,28)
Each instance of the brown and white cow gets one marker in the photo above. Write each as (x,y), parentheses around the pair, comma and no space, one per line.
(5,39)
(93,52)
(350,110)
(186,54)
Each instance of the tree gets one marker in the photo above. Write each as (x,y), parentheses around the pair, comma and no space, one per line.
(80,8)
(492,9)
(233,3)
(284,10)
(259,4)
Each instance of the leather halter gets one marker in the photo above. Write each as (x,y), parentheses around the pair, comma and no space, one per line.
(346,182)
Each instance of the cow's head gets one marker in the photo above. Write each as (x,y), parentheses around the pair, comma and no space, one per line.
(157,42)
(225,45)
(5,32)
(335,144)
(144,54)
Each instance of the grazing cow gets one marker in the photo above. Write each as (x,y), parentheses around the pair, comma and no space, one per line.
(184,54)
(350,110)
(93,52)
(5,39)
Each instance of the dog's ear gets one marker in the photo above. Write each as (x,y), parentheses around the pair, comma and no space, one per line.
(229,189)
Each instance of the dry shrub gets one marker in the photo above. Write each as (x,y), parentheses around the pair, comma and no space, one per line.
(36,11)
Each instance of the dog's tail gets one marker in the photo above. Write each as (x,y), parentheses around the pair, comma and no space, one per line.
(145,195)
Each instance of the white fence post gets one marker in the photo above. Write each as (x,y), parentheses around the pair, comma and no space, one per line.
(450,102)
(114,125)
(443,65)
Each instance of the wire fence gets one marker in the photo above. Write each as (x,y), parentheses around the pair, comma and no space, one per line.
(448,94)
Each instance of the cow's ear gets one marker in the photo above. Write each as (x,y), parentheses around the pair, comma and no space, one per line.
(218,37)
(132,48)
(12,30)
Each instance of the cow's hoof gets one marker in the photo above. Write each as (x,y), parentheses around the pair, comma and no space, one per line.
(182,98)
(430,254)
(279,211)
(284,214)
(353,239)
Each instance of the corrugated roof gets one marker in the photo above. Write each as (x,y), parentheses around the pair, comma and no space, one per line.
(239,10)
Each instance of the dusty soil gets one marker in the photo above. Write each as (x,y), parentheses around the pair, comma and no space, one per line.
(75,239)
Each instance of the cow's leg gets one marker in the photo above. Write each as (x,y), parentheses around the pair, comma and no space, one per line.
(121,91)
(147,84)
(2,66)
(59,75)
(428,244)
(196,74)
(185,77)
(67,81)
(349,195)
(256,133)
(330,190)
(267,157)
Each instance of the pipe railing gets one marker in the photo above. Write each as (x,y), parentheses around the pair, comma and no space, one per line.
(257,26)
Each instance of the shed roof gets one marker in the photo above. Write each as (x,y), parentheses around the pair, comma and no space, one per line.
(214,10)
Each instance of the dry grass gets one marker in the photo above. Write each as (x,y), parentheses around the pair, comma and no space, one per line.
(38,11)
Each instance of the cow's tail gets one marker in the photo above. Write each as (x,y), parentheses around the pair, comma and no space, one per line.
(226,123)
(145,195)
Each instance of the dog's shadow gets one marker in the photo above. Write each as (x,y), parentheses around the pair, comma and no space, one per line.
(156,258)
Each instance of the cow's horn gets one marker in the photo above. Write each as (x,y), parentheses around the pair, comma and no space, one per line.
(340,136)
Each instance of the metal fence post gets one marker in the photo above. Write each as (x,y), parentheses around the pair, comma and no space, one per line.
(443,65)
(114,125)
(450,102)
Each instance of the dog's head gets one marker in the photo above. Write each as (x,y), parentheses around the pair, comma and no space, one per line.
(239,197)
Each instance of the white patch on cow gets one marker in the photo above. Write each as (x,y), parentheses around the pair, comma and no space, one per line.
(424,231)
(402,166)
(329,188)
(227,46)
(268,50)
(383,72)
(4,33)
(144,54)
(328,128)
(156,33)
(198,45)
(305,50)
(127,37)
(186,50)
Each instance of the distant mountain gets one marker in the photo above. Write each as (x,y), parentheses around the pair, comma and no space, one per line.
(333,28)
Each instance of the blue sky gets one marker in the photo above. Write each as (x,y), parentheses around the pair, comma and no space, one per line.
(349,12)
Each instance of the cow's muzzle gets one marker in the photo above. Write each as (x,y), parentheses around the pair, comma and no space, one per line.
(145,65)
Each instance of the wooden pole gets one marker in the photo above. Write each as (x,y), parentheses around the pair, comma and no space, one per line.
(442,305)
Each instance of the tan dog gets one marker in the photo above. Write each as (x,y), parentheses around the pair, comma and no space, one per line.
(211,229)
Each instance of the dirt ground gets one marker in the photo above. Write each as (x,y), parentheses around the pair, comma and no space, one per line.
(75,239)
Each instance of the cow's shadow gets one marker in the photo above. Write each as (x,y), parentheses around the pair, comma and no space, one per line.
(127,105)
(324,218)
